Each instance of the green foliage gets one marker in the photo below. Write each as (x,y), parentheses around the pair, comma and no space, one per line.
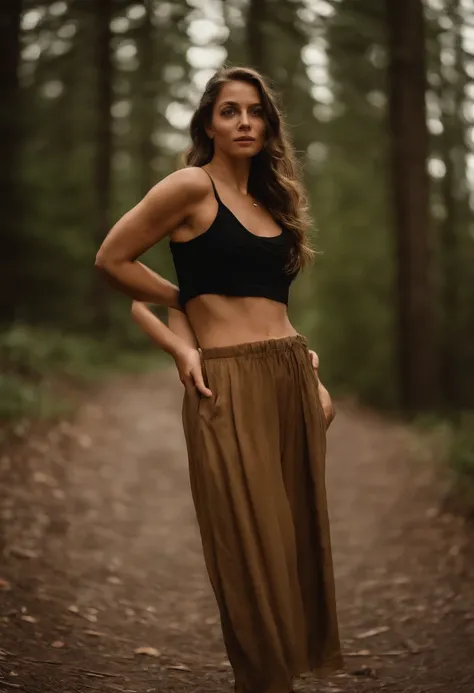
(35,364)
(451,441)
(331,72)
(20,398)
(33,352)
(352,323)
(461,451)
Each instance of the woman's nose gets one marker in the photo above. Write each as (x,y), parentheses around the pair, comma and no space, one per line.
(244,120)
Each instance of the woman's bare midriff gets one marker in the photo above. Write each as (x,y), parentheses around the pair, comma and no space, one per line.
(225,321)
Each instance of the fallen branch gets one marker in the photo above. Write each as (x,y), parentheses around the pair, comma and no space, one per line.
(39,661)
(65,664)
(390,653)
(97,673)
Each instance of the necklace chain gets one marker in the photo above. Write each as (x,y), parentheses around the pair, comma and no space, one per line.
(253,200)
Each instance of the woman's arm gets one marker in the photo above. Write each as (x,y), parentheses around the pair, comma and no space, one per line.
(161,286)
(174,338)
(163,209)
(179,324)
(167,205)
(180,346)
(162,335)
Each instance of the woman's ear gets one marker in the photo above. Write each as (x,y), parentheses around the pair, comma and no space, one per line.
(208,130)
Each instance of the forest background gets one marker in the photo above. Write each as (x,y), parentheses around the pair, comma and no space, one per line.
(96,102)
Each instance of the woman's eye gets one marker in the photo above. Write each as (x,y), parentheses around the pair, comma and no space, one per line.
(228,111)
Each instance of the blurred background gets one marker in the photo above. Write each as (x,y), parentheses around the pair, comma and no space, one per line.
(99,551)
(96,102)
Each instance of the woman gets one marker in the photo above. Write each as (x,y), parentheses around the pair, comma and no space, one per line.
(254,412)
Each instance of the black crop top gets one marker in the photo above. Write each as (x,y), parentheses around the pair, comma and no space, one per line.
(229,260)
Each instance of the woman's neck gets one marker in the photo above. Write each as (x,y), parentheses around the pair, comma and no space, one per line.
(235,173)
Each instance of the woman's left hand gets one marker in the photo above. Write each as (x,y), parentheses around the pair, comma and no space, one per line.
(324,396)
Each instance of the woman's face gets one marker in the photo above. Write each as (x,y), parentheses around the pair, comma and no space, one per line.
(238,114)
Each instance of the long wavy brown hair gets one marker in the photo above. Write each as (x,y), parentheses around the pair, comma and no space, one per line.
(275,173)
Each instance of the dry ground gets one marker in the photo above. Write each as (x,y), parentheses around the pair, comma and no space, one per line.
(101,556)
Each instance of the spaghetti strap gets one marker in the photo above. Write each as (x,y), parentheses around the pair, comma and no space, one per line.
(213,186)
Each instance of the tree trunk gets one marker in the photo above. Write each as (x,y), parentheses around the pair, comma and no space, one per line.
(10,282)
(103,161)
(455,200)
(417,350)
(256,20)
(146,111)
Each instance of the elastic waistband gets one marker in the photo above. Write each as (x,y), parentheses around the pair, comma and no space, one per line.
(254,348)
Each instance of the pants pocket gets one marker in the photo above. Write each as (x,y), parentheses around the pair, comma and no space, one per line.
(207,406)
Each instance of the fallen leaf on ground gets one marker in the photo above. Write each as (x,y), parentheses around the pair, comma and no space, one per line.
(84,441)
(373,631)
(95,633)
(359,653)
(150,651)
(394,653)
(29,619)
(178,667)
(401,580)
(57,643)
(22,552)
(73,609)
(41,478)
(5,585)
(411,646)
(365,671)
(114,580)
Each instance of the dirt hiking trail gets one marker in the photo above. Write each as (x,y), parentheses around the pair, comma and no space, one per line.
(102,581)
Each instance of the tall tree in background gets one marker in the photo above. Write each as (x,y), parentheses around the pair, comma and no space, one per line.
(103,92)
(10,265)
(256,26)
(418,375)
(353,322)
(147,120)
(455,198)
(103,162)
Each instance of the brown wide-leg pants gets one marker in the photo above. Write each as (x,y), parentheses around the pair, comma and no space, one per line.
(257,469)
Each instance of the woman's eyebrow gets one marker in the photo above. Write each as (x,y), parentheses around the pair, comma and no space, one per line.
(234,103)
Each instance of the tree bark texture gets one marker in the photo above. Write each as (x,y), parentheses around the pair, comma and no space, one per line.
(10,282)
(417,342)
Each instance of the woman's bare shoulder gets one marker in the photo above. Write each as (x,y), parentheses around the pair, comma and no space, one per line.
(190,182)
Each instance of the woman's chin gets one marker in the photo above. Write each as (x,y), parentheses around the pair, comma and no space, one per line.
(247,153)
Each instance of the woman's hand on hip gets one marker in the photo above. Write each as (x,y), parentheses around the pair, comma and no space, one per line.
(324,396)
(188,363)
(326,403)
